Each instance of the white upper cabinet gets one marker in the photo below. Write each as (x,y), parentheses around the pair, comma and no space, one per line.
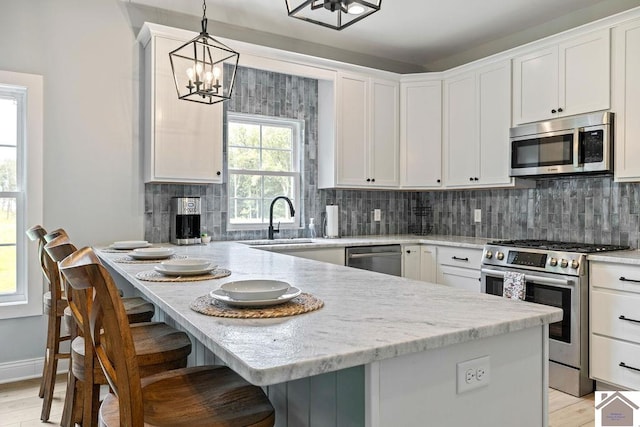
(477,110)
(569,78)
(421,134)
(462,148)
(183,140)
(626,100)
(367,137)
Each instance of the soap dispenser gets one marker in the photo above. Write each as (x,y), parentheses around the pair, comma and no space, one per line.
(312,228)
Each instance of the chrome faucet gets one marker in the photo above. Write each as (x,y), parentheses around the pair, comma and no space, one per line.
(293,213)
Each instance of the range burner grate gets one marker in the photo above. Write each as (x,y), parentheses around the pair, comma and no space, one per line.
(560,246)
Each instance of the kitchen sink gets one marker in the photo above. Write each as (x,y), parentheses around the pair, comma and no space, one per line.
(265,242)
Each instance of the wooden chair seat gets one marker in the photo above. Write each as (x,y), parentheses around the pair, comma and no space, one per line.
(158,347)
(60,305)
(199,396)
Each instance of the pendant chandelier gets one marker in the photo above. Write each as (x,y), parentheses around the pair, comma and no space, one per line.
(204,70)
(335,14)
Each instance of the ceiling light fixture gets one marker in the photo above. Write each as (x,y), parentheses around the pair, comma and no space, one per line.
(335,14)
(204,70)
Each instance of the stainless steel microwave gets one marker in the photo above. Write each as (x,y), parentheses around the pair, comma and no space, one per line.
(571,145)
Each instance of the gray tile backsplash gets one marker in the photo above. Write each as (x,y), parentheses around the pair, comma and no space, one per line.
(581,209)
(590,209)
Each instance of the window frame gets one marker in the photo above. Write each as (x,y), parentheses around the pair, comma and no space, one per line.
(297,127)
(27,301)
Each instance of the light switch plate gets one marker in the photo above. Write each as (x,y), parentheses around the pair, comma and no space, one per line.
(377,214)
(477,215)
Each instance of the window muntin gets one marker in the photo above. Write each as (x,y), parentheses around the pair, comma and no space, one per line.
(263,163)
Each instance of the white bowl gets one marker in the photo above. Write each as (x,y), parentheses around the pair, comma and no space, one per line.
(259,289)
(130,244)
(187,264)
(151,253)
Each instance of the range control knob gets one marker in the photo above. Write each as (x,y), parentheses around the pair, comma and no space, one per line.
(500,256)
(488,255)
(564,263)
(553,262)
(575,264)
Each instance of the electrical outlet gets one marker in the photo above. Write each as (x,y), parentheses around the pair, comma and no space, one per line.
(377,214)
(477,215)
(472,374)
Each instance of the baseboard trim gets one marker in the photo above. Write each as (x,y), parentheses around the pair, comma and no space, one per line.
(25,369)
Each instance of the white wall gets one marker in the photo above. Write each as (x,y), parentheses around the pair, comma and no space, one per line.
(87,53)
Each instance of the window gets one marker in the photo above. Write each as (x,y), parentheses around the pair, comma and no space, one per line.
(263,163)
(20,193)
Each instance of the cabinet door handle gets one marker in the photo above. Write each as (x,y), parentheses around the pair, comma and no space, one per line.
(553,111)
(623,317)
(475,178)
(470,178)
(218,173)
(624,365)
(559,109)
(624,279)
(368,179)
(438,181)
(460,259)
(408,251)
(373,180)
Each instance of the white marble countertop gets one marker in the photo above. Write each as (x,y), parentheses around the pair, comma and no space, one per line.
(632,256)
(319,243)
(367,316)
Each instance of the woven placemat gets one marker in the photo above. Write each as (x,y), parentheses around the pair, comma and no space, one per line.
(154,276)
(127,259)
(303,303)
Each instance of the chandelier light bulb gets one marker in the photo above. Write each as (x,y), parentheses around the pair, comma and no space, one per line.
(190,73)
(216,72)
(355,9)
(208,76)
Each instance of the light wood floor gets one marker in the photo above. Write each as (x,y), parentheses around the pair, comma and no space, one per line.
(20,406)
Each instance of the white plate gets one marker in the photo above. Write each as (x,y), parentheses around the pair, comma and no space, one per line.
(252,290)
(186,264)
(161,269)
(151,253)
(220,295)
(130,244)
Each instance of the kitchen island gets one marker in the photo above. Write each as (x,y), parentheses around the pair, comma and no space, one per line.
(382,351)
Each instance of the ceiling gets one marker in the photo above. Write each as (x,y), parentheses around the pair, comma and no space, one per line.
(408,35)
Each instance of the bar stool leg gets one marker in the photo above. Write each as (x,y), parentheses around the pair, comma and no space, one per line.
(51,364)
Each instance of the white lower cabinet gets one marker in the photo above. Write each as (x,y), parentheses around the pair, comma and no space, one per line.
(615,324)
(419,262)
(459,267)
(330,255)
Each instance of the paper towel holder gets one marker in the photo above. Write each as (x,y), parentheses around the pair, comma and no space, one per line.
(325,225)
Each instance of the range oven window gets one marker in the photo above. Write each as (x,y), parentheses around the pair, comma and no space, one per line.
(545,151)
(554,296)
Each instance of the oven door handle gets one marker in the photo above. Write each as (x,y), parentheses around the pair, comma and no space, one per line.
(577,149)
(531,278)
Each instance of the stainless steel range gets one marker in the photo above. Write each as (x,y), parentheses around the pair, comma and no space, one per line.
(556,274)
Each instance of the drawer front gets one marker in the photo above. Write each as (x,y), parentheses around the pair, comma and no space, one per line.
(608,275)
(606,356)
(459,257)
(607,308)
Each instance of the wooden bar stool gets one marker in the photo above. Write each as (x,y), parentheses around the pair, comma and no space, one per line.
(54,305)
(159,347)
(198,396)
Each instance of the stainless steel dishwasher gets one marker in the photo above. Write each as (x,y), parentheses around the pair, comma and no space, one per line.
(380,258)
